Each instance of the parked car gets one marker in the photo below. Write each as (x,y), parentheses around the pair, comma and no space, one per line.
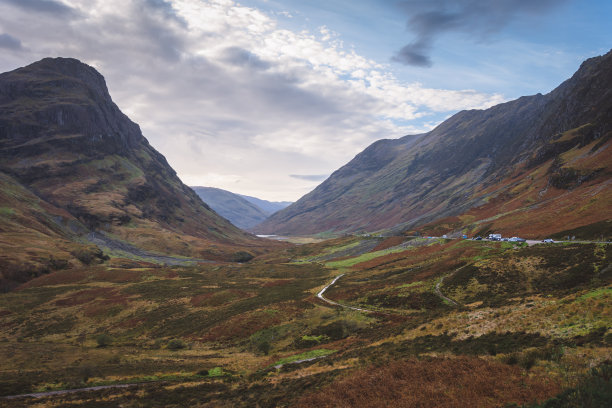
(479,238)
(548,241)
(517,239)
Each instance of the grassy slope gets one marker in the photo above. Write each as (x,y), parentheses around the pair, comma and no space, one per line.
(569,195)
(531,321)
(36,237)
(535,166)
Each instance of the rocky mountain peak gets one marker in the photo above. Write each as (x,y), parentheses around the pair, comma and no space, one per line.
(68,103)
(64,141)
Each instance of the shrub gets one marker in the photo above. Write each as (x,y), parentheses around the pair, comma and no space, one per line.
(157,344)
(86,372)
(337,330)
(264,347)
(242,256)
(89,255)
(262,340)
(176,344)
(56,264)
(104,340)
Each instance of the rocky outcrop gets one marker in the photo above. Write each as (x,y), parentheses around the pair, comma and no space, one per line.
(63,96)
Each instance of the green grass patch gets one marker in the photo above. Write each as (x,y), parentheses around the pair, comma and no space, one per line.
(598,293)
(411,285)
(313,338)
(216,372)
(346,263)
(6,211)
(304,356)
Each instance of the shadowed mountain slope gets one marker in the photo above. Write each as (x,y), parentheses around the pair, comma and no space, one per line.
(507,167)
(72,163)
(233,207)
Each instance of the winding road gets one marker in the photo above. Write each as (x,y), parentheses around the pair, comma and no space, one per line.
(331,302)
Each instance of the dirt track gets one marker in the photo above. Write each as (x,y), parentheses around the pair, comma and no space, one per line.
(62,392)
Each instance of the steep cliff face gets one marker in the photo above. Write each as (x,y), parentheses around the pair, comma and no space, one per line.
(467,161)
(62,97)
(64,143)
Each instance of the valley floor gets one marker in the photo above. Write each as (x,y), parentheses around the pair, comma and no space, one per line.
(433,322)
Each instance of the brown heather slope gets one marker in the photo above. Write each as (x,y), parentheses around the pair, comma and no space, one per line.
(543,160)
(434,382)
(72,163)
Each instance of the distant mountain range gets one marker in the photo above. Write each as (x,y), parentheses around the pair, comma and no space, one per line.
(268,207)
(535,166)
(242,211)
(74,171)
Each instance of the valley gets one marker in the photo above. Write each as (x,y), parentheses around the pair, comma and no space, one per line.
(122,287)
(222,334)
(243,211)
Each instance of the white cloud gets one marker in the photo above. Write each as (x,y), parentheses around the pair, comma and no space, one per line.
(229,97)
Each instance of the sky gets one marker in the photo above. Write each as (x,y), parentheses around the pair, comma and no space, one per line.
(267,97)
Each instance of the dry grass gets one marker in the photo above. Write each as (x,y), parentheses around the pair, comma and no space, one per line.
(454,382)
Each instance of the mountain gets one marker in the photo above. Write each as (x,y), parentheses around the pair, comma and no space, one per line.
(268,207)
(535,166)
(233,207)
(74,171)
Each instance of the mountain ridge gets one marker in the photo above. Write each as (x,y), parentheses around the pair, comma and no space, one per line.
(72,163)
(407,183)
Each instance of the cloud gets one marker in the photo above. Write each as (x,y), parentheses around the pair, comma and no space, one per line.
(9,42)
(242,57)
(429,19)
(414,54)
(230,98)
(43,6)
(310,177)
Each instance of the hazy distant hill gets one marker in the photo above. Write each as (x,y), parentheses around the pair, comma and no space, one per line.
(242,211)
(268,207)
(72,163)
(537,165)
(233,207)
